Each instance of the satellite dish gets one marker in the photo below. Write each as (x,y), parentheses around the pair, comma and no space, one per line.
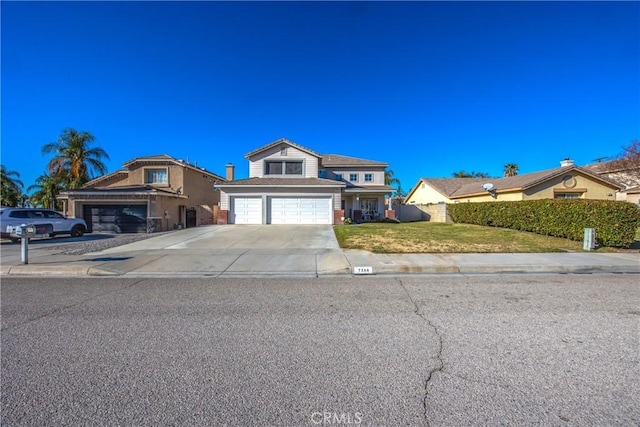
(488,186)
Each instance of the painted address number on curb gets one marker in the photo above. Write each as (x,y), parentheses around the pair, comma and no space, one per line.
(362,270)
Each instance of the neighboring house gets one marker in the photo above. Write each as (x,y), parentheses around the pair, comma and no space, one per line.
(291,184)
(618,172)
(152,193)
(566,182)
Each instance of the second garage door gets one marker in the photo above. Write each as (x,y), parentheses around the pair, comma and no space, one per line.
(300,210)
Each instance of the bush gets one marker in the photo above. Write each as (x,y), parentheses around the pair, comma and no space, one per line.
(615,222)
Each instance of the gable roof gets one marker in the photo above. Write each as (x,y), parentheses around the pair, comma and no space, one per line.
(335,160)
(106,177)
(278,142)
(168,159)
(454,188)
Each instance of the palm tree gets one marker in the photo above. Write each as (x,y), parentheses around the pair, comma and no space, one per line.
(46,188)
(389,179)
(463,174)
(460,174)
(11,187)
(74,159)
(510,169)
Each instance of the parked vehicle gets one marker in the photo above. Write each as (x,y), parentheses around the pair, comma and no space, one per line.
(13,217)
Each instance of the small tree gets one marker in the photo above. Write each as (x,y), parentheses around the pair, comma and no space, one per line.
(46,188)
(11,187)
(629,159)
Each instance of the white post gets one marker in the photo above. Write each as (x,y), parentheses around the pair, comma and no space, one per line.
(24,250)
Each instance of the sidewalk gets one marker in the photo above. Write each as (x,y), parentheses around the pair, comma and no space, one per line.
(311,262)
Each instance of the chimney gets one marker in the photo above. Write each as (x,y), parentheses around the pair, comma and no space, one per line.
(566,162)
(230,171)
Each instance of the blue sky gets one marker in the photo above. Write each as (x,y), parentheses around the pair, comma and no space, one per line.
(429,87)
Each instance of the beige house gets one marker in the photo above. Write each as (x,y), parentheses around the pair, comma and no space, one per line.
(566,182)
(291,184)
(151,193)
(628,178)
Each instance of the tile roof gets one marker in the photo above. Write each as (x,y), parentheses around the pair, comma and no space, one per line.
(460,187)
(122,189)
(282,182)
(278,142)
(333,160)
(370,188)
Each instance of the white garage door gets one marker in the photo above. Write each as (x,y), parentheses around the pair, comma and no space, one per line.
(246,210)
(301,210)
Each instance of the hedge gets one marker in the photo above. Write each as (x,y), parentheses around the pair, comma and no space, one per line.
(615,222)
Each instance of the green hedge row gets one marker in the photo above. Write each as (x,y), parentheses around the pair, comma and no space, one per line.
(615,222)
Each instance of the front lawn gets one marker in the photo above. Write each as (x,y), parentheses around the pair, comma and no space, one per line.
(432,237)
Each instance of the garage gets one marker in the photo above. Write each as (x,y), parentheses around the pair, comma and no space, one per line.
(246,210)
(300,210)
(116,218)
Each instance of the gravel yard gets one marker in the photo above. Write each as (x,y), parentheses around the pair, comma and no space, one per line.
(93,244)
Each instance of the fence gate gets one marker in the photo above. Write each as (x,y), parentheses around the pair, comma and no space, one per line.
(190,217)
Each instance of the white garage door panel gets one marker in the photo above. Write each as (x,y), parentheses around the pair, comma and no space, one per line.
(300,210)
(247,210)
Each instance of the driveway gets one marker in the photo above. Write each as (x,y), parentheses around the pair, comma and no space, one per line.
(231,250)
(238,237)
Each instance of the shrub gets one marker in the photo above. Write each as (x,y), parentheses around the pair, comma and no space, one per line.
(615,222)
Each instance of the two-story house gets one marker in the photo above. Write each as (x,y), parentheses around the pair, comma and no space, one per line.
(151,193)
(291,184)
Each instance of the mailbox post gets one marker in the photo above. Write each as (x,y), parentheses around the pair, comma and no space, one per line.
(24,232)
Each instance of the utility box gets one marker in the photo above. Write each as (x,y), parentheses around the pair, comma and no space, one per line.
(589,242)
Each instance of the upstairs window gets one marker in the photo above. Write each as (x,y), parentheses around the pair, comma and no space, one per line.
(283,168)
(156,176)
(337,176)
(353,177)
(368,177)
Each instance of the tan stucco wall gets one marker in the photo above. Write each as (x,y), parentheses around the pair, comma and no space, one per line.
(199,189)
(175,177)
(425,195)
(594,190)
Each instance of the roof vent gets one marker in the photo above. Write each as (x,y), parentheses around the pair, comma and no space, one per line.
(566,162)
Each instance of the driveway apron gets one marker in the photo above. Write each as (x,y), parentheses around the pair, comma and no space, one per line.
(231,250)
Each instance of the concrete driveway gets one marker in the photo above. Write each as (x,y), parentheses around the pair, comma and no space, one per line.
(306,250)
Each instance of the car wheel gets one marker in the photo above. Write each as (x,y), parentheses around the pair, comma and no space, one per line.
(15,240)
(77,231)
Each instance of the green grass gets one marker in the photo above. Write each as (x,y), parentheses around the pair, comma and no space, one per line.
(429,237)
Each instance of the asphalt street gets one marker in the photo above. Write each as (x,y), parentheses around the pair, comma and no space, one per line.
(412,350)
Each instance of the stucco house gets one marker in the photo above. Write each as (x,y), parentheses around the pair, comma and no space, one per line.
(151,193)
(566,182)
(628,175)
(291,184)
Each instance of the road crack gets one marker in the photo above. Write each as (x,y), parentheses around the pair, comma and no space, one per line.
(65,307)
(439,360)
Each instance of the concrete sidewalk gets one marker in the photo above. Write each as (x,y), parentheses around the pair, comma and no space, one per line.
(143,262)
